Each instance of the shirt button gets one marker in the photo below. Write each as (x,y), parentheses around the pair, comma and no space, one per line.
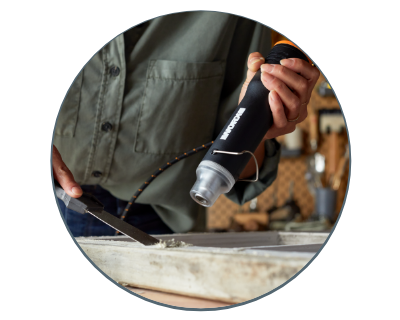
(114,71)
(96,174)
(106,126)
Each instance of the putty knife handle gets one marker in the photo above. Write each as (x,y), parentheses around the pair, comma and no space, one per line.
(60,193)
(85,203)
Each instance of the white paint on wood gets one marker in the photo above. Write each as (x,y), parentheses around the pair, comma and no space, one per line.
(225,274)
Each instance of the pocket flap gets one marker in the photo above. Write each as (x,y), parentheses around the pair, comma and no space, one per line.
(178,70)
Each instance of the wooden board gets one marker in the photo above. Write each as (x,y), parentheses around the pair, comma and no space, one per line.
(178,300)
(227,267)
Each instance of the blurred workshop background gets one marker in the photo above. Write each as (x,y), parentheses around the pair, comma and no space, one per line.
(312,179)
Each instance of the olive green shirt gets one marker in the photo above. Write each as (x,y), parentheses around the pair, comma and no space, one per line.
(158,90)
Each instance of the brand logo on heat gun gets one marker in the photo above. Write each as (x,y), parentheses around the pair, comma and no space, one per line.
(232,124)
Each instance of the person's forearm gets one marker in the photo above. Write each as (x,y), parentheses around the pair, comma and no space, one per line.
(250,169)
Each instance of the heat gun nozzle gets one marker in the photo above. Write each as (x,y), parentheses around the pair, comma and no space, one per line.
(200,199)
(212,181)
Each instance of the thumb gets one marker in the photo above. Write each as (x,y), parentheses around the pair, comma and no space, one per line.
(254,63)
(64,176)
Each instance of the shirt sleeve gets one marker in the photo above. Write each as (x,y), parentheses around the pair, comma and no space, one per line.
(249,37)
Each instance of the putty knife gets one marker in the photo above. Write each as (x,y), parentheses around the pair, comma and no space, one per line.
(89,204)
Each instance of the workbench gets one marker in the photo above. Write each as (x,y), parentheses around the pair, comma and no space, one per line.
(219,269)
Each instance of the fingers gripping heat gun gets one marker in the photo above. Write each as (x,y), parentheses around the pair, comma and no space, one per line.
(231,151)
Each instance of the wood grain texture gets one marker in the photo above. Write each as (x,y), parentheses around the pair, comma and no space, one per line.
(228,274)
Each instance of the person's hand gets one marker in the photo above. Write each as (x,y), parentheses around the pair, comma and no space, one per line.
(290,85)
(64,176)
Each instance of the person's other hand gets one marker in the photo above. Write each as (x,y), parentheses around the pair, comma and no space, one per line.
(64,176)
(290,85)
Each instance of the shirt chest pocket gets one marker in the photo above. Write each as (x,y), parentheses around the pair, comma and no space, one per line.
(179,106)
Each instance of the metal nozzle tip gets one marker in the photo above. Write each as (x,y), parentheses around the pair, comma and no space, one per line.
(211,182)
(200,199)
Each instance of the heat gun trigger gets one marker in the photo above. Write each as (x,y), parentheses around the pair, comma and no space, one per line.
(238,154)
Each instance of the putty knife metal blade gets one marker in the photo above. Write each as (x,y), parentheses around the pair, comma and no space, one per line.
(125,228)
(89,204)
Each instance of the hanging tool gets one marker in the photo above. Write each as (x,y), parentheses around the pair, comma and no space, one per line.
(274,206)
(254,220)
(253,205)
(325,90)
(293,144)
(89,204)
(332,122)
(319,168)
(337,178)
(289,209)
(316,161)
(228,156)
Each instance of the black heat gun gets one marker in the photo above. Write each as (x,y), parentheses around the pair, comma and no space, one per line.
(233,148)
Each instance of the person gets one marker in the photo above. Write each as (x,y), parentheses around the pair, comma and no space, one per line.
(156,91)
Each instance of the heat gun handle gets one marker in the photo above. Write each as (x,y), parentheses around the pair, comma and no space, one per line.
(252,118)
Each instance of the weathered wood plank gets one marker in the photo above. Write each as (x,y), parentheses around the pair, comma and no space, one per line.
(242,239)
(293,238)
(225,274)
